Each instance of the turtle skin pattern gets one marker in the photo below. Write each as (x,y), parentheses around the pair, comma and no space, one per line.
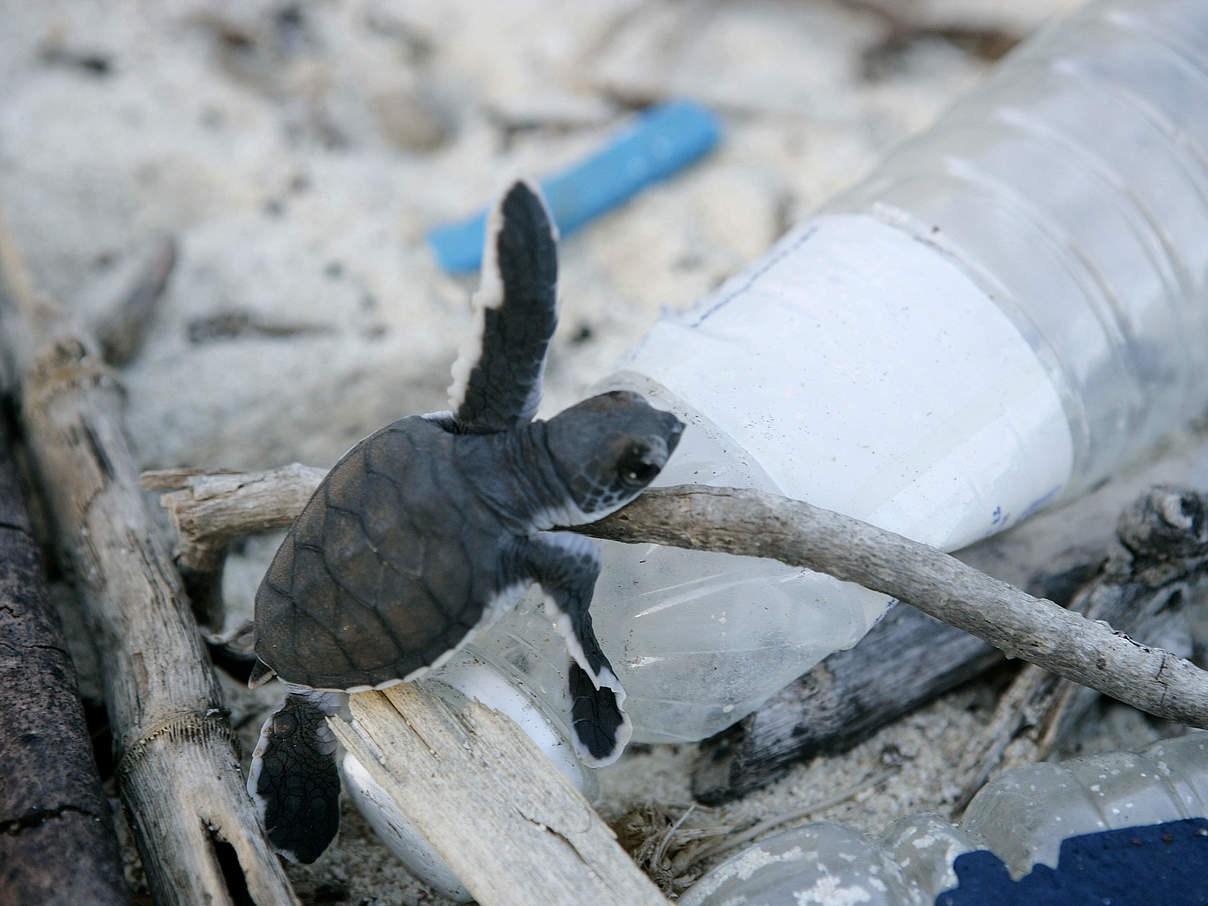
(385,570)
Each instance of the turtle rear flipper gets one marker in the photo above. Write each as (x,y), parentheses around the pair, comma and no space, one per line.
(497,376)
(293,779)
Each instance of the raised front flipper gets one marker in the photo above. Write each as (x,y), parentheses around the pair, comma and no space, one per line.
(497,376)
(293,779)
(566,566)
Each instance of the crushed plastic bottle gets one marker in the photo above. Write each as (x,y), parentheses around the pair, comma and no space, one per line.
(1023,817)
(1008,309)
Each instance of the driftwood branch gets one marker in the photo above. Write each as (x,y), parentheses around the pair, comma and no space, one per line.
(909,658)
(755,524)
(1036,630)
(489,803)
(178,769)
(53,812)
(212,508)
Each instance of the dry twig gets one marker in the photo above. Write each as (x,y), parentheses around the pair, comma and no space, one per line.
(909,658)
(122,333)
(755,524)
(676,853)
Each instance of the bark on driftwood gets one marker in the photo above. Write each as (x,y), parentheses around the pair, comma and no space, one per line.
(178,770)
(910,658)
(57,844)
(490,804)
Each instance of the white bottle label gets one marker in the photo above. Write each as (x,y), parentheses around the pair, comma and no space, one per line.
(867,374)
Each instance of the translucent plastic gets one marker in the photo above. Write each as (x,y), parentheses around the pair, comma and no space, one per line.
(1011,307)
(1022,817)
(1073,187)
(818,863)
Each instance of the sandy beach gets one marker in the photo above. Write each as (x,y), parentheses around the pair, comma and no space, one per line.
(297,154)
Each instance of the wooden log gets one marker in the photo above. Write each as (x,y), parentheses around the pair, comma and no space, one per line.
(178,770)
(512,828)
(909,658)
(57,842)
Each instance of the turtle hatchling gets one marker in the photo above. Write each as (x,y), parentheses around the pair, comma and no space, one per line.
(429,529)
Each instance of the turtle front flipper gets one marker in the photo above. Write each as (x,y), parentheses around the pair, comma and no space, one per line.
(497,376)
(566,566)
(294,780)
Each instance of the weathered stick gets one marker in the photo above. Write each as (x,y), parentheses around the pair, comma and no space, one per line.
(212,508)
(755,524)
(178,770)
(513,829)
(910,658)
(53,812)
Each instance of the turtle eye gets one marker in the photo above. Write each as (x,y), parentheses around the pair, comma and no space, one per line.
(635,471)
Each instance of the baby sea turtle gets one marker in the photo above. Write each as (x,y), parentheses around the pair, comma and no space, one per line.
(429,529)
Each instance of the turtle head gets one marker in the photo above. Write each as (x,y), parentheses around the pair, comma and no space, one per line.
(608,448)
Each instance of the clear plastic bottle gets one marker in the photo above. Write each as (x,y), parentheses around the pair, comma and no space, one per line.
(1010,307)
(1021,816)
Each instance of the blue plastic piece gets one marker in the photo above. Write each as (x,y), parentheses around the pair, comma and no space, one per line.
(1154,865)
(660,141)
